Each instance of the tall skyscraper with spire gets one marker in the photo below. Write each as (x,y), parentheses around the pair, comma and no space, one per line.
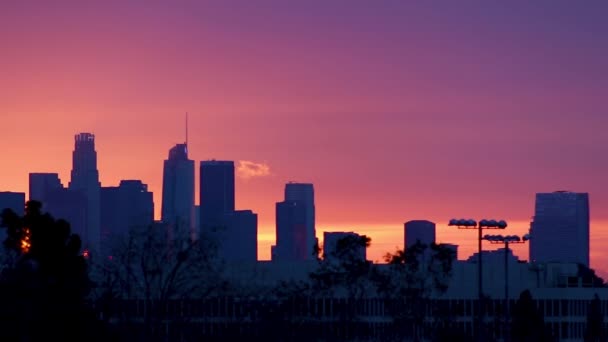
(178,190)
(85,179)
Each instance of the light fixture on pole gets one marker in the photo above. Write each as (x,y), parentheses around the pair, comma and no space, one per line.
(506,240)
(483,224)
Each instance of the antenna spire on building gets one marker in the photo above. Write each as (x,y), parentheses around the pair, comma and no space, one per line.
(186,129)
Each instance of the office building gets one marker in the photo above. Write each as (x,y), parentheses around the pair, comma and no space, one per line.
(62,203)
(560,228)
(85,179)
(237,239)
(177,209)
(304,194)
(72,206)
(127,206)
(418,230)
(291,232)
(41,185)
(14,201)
(216,192)
(452,247)
(335,243)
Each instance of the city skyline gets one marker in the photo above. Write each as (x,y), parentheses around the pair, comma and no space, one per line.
(303,192)
(395,113)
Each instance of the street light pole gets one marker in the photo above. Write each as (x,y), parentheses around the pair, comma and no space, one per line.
(497,239)
(483,224)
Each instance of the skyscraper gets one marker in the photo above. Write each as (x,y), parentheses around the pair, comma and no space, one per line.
(129,205)
(291,232)
(178,190)
(238,238)
(62,203)
(12,200)
(85,179)
(560,228)
(216,192)
(418,230)
(304,193)
(42,184)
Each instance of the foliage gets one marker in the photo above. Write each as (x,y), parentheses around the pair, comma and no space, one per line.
(527,322)
(156,265)
(411,277)
(595,331)
(344,272)
(44,281)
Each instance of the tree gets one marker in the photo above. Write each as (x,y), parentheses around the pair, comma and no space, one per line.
(410,279)
(345,274)
(44,282)
(595,331)
(157,266)
(528,323)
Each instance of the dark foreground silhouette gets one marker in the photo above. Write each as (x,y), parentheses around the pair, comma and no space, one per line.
(44,281)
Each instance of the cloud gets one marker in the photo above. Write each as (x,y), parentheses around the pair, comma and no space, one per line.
(247,169)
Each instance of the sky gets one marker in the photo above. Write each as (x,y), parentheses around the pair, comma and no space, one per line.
(395,110)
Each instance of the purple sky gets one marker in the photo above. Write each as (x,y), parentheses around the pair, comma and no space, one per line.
(395,110)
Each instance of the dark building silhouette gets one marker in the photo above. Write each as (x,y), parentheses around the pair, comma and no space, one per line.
(331,241)
(129,205)
(237,238)
(61,203)
(216,192)
(42,184)
(85,179)
(452,247)
(418,230)
(560,228)
(304,193)
(14,201)
(291,232)
(69,205)
(178,190)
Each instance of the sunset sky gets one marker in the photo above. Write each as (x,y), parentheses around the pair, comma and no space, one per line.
(395,110)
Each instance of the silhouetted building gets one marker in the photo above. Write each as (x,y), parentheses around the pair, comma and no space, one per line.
(42,184)
(178,190)
(216,192)
(72,206)
(331,241)
(12,200)
(452,247)
(291,232)
(85,179)
(237,238)
(62,203)
(560,228)
(304,193)
(197,216)
(418,230)
(129,205)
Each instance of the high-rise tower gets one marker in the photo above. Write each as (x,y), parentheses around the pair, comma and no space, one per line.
(560,229)
(217,192)
(295,224)
(85,179)
(178,190)
(304,193)
(418,230)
